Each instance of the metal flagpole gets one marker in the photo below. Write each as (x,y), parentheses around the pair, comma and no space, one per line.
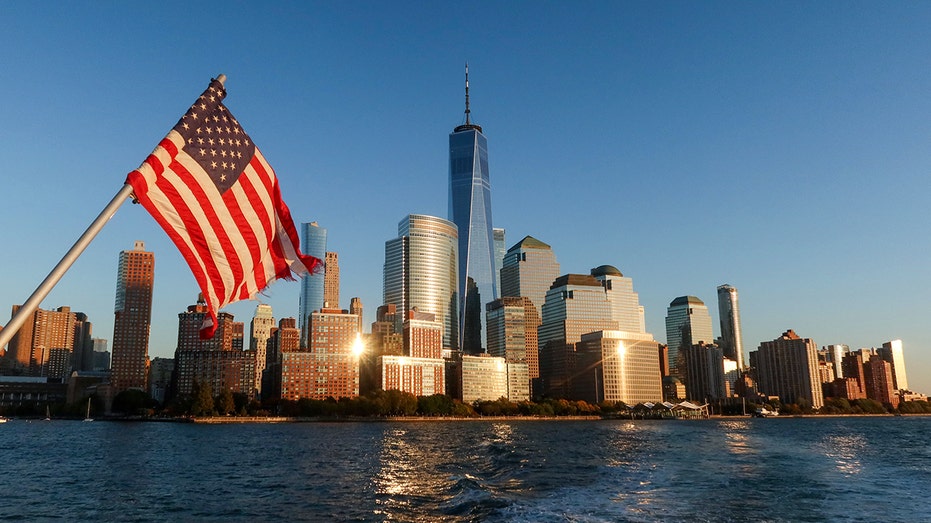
(66,262)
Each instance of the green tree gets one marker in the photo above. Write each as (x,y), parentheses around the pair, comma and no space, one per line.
(224,402)
(202,396)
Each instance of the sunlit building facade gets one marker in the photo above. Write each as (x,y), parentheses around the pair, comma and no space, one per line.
(576,304)
(729,315)
(313,243)
(259,332)
(329,368)
(625,303)
(512,324)
(892,352)
(418,376)
(787,367)
(528,270)
(484,378)
(132,319)
(420,271)
(618,366)
(687,323)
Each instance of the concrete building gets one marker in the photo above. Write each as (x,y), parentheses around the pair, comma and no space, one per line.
(43,346)
(704,372)
(618,366)
(418,376)
(260,330)
(787,367)
(329,368)
(484,378)
(129,366)
(576,304)
(219,362)
(512,324)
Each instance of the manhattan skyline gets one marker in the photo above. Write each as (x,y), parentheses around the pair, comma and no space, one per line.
(780,149)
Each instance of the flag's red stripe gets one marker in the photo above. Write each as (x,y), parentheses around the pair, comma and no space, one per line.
(227,256)
(194,229)
(269,185)
(258,273)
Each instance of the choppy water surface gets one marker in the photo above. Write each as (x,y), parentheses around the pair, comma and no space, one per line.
(800,469)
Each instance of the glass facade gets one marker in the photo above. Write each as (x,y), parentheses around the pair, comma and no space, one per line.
(687,323)
(470,210)
(729,314)
(629,365)
(313,243)
(421,271)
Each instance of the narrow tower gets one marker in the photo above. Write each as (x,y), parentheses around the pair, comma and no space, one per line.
(470,210)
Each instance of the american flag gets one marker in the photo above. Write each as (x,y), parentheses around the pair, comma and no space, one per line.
(212,191)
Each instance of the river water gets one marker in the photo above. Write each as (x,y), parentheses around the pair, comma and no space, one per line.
(797,469)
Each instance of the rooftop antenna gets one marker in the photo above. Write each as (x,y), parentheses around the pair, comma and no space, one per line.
(467,111)
(468,125)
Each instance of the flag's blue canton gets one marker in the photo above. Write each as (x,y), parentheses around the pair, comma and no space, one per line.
(214,139)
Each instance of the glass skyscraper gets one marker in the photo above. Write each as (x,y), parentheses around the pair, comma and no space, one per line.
(421,271)
(687,323)
(729,314)
(313,243)
(470,210)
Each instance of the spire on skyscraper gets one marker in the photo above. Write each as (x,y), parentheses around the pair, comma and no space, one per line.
(468,123)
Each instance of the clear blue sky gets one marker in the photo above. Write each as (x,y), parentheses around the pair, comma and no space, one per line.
(781,147)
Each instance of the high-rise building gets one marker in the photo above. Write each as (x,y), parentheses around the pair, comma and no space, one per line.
(512,323)
(420,271)
(331,281)
(687,323)
(483,378)
(704,372)
(470,210)
(729,315)
(625,303)
(355,307)
(620,366)
(259,332)
(529,269)
(129,366)
(576,304)
(423,335)
(313,243)
(892,352)
(835,354)
(43,346)
(501,248)
(329,367)
(788,367)
(160,376)
(101,355)
(82,356)
(879,381)
(219,362)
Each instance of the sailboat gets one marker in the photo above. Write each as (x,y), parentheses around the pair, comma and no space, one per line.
(87,417)
(48,414)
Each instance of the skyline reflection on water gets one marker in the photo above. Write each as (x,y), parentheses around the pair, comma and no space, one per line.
(805,469)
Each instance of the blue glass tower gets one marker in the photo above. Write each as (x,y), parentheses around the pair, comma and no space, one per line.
(470,210)
(313,242)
